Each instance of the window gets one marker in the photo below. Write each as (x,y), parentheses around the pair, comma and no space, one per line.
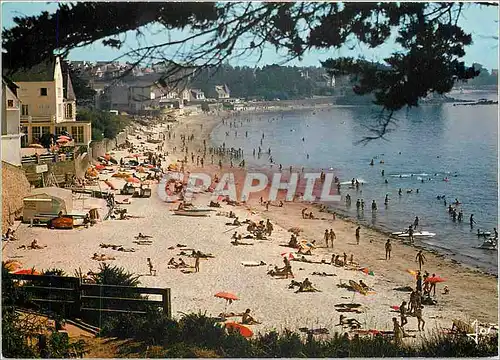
(43,91)
(24,110)
(61,129)
(69,111)
(77,134)
(10,103)
(36,133)
(45,130)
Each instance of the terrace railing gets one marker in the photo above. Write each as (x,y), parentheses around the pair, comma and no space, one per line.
(73,298)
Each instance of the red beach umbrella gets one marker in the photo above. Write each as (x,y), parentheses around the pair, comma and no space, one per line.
(434,279)
(27,272)
(133,180)
(242,329)
(226,296)
(289,255)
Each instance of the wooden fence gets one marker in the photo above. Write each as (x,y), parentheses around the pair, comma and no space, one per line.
(74,298)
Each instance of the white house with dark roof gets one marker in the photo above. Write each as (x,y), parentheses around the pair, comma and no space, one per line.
(222,91)
(48,103)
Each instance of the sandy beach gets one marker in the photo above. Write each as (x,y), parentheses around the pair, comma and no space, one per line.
(473,294)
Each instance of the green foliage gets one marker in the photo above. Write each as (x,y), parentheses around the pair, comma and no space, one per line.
(55,272)
(60,347)
(104,124)
(15,329)
(14,344)
(269,82)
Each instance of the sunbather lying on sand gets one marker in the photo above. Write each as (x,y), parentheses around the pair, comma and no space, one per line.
(142,236)
(102,257)
(277,272)
(113,246)
(121,248)
(302,259)
(306,286)
(143,242)
(230,314)
(247,319)
(236,243)
(34,245)
(172,262)
(322,274)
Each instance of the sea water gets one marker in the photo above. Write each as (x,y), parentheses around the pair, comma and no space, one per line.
(429,143)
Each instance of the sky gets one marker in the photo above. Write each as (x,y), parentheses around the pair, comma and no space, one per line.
(480,21)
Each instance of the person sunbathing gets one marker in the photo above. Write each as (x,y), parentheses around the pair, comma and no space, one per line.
(142,236)
(276,272)
(121,248)
(293,241)
(34,245)
(305,251)
(172,262)
(181,263)
(247,319)
(306,286)
(363,285)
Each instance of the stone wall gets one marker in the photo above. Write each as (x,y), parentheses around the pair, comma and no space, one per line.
(15,187)
(100,148)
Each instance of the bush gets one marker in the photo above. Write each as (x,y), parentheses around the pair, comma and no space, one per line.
(104,124)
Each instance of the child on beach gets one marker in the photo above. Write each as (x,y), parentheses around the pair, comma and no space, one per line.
(152,271)
(388,249)
(357,234)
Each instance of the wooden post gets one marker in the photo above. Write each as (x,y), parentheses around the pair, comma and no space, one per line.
(167,304)
(78,298)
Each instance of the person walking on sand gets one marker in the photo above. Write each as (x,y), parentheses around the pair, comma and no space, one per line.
(152,271)
(357,234)
(420,258)
(419,283)
(332,236)
(398,331)
(418,315)
(327,237)
(402,312)
(388,249)
(197,263)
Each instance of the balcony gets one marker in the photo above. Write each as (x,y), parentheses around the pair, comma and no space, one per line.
(28,119)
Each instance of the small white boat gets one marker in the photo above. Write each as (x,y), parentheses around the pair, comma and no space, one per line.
(416,233)
(192,212)
(489,244)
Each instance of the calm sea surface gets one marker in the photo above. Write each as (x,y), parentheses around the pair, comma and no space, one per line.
(431,142)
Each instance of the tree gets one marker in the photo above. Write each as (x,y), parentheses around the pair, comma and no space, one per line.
(431,42)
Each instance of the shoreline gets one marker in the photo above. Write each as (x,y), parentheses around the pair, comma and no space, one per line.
(384,231)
